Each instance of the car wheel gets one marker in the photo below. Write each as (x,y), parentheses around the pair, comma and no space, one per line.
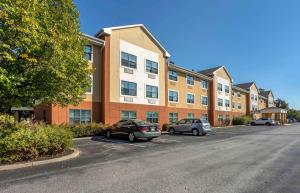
(149,139)
(131,137)
(172,131)
(253,124)
(108,134)
(268,124)
(195,132)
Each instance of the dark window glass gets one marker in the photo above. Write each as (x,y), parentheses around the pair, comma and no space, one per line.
(88,50)
(128,88)
(151,67)
(151,91)
(128,60)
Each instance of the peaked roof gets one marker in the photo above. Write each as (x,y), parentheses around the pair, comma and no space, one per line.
(187,71)
(108,31)
(211,71)
(264,92)
(94,39)
(246,85)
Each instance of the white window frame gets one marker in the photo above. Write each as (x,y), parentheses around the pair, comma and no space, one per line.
(173,117)
(92,85)
(146,92)
(218,87)
(205,105)
(177,95)
(91,113)
(187,98)
(226,100)
(186,80)
(128,95)
(121,66)
(201,82)
(127,111)
(219,99)
(239,106)
(145,64)
(169,76)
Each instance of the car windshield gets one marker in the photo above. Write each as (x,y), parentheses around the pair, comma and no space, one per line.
(204,121)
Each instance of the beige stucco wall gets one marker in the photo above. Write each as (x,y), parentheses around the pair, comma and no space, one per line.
(138,37)
(95,65)
(262,104)
(222,74)
(183,89)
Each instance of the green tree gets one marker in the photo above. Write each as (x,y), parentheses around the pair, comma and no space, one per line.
(280,103)
(41,53)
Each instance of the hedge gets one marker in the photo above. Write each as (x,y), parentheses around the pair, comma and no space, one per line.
(28,141)
(243,120)
(85,130)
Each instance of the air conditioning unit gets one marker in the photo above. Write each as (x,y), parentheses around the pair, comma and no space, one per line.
(128,99)
(151,101)
(152,76)
(128,70)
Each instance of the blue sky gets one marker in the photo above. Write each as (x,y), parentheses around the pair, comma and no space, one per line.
(257,40)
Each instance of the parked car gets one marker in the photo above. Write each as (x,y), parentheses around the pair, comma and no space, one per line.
(134,129)
(292,120)
(194,126)
(263,121)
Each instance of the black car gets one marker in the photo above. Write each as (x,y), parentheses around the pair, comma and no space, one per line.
(133,129)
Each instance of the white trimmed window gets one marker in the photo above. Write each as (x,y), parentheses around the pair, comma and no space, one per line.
(173,117)
(128,88)
(239,106)
(190,98)
(227,103)
(88,52)
(190,80)
(151,67)
(127,115)
(173,75)
(239,94)
(233,105)
(151,91)
(204,100)
(204,117)
(173,96)
(220,87)
(227,89)
(220,102)
(128,60)
(204,84)
(152,117)
(78,116)
(190,115)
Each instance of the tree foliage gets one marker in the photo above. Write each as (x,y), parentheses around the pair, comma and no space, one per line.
(41,53)
(280,103)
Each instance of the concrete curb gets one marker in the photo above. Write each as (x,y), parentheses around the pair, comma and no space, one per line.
(43,162)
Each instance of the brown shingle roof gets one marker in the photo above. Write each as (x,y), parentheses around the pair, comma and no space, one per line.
(245,86)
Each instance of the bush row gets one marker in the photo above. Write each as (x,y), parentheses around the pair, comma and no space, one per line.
(243,120)
(85,130)
(27,141)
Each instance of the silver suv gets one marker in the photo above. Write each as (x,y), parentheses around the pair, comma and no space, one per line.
(194,126)
(263,121)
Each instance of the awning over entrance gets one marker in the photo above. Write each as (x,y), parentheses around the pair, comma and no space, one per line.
(275,113)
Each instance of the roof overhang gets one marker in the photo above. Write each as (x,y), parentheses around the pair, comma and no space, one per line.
(190,72)
(108,31)
(94,40)
(239,89)
(273,110)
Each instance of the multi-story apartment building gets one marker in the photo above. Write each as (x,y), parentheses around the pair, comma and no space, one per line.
(132,78)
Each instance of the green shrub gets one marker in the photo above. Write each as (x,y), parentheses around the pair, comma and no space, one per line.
(30,141)
(243,120)
(85,130)
(165,127)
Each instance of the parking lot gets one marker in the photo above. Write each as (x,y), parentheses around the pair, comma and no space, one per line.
(237,159)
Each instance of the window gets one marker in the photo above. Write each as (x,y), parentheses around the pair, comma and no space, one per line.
(88,51)
(189,80)
(239,95)
(151,91)
(227,117)
(152,117)
(220,102)
(173,96)
(77,116)
(151,67)
(173,75)
(127,115)
(128,88)
(239,106)
(90,89)
(227,103)
(220,87)
(252,97)
(173,117)
(190,115)
(190,99)
(220,119)
(204,100)
(233,105)
(204,84)
(227,89)
(128,60)
(233,93)
(204,117)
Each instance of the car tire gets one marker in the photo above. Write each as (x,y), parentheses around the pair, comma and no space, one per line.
(172,131)
(195,132)
(108,134)
(268,124)
(253,124)
(149,139)
(131,137)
